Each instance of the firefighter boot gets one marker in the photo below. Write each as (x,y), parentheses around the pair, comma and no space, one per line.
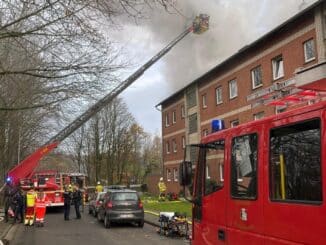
(31,221)
(26,220)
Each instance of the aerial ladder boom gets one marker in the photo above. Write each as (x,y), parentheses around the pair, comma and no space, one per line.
(199,25)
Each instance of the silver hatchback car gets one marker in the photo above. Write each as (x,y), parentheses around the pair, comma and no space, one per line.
(121,206)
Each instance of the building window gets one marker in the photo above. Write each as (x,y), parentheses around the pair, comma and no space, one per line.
(259,115)
(309,50)
(256,77)
(183,111)
(183,142)
(280,109)
(204,101)
(295,163)
(174,119)
(207,173)
(174,145)
(218,93)
(167,121)
(233,88)
(278,70)
(191,97)
(167,146)
(193,123)
(168,175)
(175,174)
(205,132)
(221,172)
(234,123)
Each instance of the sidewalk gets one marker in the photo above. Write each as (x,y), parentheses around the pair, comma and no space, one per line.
(152,219)
(4,227)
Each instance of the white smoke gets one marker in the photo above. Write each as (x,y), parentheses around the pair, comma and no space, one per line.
(233,24)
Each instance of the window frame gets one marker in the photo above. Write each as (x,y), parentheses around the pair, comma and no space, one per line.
(183,111)
(167,120)
(275,61)
(175,175)
(254,86)
(168,175)
(231,83)
(167,147)
(233,122)
(258,114)
(204,101)
(174,146)
(183,139)
(218,95)
(311,40)
(174,117)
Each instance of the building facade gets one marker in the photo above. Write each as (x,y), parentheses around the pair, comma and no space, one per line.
(225,91)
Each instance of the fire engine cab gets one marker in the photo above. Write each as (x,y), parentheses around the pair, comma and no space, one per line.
(267,177)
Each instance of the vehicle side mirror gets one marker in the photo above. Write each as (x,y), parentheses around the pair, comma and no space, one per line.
(185,173)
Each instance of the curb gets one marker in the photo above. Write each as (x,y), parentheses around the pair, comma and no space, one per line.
(151,222)
(4,239)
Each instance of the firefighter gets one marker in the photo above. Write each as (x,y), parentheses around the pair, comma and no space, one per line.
(162,190)
(67,195)
(40,208)
(18,201)
(99,187)
(8,197)
(76,199)
(30,206)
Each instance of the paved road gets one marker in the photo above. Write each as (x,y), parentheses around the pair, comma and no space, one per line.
(88,231)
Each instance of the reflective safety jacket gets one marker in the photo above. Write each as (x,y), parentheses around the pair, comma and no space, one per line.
(30,198)
(99,188)
(161,186)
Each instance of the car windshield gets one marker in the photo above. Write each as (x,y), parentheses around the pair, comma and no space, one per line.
(127,196)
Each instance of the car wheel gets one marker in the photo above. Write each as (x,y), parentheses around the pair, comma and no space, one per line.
(107,222)
(141,223)
(99,217)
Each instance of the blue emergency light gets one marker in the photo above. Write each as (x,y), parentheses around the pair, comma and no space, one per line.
(217,125)
(8,179)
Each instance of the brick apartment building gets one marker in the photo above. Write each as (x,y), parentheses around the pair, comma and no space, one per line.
(222,92)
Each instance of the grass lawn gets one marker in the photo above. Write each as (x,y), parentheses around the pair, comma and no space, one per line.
(168,206)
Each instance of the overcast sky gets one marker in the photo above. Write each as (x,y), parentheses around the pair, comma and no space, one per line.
(233,24)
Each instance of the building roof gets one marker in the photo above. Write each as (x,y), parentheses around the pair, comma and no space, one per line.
(247,47)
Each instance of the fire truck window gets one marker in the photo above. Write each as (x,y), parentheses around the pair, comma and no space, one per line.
(295,167)
(244,167)
(214,159)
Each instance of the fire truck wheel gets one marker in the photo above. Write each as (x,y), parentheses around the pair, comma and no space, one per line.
(107,222)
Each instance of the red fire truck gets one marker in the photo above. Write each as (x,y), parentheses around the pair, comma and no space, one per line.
(266,179)
(53,184)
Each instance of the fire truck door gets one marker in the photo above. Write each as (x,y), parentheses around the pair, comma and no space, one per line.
(209,212)
(244,206)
